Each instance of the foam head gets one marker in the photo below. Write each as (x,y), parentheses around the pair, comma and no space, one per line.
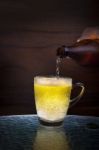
(53,81)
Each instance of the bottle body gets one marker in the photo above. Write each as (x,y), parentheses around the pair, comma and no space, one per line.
(85,52)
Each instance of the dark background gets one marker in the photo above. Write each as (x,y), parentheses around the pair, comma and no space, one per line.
(30,33)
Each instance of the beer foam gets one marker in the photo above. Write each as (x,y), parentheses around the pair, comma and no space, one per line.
(53,81)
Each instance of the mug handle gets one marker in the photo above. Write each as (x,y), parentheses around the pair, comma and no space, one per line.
(78,97)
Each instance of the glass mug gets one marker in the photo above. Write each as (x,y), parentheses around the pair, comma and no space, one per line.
(52,98)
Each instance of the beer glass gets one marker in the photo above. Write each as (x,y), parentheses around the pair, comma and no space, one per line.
(52,98)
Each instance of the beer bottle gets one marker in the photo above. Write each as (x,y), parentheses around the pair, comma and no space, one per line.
(84,52)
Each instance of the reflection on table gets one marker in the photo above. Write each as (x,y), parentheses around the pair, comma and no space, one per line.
(51,138)
(23,132)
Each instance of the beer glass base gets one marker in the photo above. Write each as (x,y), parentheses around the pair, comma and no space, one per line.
(50,124)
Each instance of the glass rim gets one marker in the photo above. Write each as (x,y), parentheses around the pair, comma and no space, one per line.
(51,76)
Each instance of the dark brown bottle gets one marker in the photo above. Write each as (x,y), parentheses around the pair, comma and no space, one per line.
(84,52)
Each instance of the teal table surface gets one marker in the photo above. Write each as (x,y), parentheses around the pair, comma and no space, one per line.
(23,132)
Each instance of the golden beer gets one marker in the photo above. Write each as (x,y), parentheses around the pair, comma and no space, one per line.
(52,97)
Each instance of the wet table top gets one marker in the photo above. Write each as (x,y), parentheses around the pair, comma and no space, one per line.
(23,132)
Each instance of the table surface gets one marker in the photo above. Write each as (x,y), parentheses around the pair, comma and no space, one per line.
(23,132)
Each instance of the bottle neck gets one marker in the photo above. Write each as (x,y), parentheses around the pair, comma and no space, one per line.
(66,50)
(62,52)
